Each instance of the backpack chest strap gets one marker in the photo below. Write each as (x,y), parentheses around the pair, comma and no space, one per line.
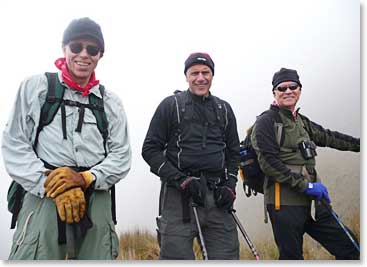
(55,100)
(81,107)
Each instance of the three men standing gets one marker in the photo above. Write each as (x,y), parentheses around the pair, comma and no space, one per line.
(66,162)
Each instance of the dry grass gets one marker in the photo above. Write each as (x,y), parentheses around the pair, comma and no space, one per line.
(138,245)
(142,245)
(265,248)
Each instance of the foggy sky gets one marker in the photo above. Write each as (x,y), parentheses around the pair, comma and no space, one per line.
(147,43)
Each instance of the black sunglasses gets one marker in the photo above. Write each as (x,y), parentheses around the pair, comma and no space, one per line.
(76,48)
(284,88)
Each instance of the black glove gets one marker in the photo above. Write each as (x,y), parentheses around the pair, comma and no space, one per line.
(225,194)
(192,186)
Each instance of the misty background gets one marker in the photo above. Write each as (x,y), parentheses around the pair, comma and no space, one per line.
(147,43)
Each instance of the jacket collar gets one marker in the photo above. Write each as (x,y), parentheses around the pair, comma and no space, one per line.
(199,99)
(286,112)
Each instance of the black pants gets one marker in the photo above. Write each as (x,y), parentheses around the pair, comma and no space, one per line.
(291,222)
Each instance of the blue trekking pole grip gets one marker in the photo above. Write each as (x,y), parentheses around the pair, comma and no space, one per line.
(336,217)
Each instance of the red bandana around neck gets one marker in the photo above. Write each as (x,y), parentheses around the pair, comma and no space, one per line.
(60,63)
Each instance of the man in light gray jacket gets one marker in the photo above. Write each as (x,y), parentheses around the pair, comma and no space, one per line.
(67,157)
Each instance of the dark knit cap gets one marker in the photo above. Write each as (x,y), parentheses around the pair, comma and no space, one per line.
(83,28)
(285,75)
(199,59)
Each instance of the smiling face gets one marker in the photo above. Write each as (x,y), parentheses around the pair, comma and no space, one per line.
(288,98)
(200,79)
(80,63)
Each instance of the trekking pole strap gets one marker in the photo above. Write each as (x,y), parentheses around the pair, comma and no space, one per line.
(113,204)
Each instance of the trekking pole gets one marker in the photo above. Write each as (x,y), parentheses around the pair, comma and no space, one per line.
(336,217)
(70,242)
(202,242)
(249,243)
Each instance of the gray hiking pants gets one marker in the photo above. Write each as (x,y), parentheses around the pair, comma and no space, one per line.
(218,227)
(36,236)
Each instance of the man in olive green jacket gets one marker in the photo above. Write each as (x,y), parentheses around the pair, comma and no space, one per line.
(286,152)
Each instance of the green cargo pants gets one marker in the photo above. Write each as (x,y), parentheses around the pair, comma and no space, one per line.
(36,235)
(218,227)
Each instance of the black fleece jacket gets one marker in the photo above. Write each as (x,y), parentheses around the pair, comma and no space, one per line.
(201,146)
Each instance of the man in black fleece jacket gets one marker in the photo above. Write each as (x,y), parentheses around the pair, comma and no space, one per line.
(192,145)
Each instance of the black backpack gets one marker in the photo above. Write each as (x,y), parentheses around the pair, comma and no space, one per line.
(250,171)
(54,100)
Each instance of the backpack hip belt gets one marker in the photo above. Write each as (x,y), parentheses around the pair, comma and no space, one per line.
(212,178)
(307,172)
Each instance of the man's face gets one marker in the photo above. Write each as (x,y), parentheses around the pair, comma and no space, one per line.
(200,79)
(285,96)
(82,56)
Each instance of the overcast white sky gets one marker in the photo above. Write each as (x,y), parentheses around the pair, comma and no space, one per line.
(147,43)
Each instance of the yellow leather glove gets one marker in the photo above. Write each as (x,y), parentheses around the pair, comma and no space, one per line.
(64,178)
(88,177)
(71,205)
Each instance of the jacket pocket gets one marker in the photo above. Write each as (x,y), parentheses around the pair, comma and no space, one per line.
(174,227)
(89,130)
(89,117)
(111,243)
(68,114)
(25,242)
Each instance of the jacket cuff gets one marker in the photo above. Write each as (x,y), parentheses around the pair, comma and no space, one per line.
(303,185)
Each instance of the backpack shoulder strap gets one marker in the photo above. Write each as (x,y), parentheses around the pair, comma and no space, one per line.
(183,108)
(97,107)
(221,113)
(185,112)
(102,125)
(278,125)
(178,103)
(307,124)
(54,97)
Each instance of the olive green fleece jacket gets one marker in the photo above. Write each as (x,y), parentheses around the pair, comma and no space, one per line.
(275,159)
